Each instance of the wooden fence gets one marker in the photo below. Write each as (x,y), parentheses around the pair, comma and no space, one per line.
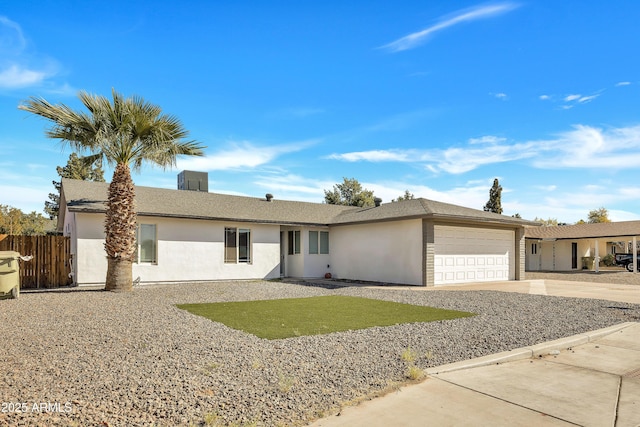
(51,263)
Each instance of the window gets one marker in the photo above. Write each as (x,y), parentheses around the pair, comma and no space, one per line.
(324,242)
(237,245)
(321,245)
(294,242)
(146,244)
(534,248)
(313,242)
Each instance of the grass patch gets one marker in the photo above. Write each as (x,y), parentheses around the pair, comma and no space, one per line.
(285,318)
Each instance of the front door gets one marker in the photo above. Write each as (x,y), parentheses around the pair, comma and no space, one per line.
(574,255)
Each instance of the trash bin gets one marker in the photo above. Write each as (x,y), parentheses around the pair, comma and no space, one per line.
(9,273)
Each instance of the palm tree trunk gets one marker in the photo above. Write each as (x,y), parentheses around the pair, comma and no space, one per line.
(120,230)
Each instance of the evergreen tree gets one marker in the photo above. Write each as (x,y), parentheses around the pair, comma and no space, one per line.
(495,194)
(76,168)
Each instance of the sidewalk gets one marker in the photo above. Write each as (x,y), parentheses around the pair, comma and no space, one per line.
(590,379)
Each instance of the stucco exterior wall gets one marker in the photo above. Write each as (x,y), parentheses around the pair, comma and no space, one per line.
(386,252)
(187,250)
(305,264)
(557,255)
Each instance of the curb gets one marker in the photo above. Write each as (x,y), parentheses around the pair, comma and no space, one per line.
(531,351)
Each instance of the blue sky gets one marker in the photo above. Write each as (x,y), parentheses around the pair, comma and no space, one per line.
(289,97)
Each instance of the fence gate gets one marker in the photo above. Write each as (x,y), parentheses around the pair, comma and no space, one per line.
(50,266)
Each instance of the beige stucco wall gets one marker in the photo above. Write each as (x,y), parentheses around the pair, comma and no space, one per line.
(386,252)
(556,255)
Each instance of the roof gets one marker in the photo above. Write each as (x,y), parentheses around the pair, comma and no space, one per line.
(88,196)
(585,231)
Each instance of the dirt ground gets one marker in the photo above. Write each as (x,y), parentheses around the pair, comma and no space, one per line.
(607,275)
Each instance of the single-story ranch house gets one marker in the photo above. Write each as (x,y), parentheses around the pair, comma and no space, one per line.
(202,236)
(575,247)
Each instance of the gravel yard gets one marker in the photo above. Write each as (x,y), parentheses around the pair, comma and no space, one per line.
(97,358)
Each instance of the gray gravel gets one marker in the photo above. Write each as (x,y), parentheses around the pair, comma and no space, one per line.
(136,359)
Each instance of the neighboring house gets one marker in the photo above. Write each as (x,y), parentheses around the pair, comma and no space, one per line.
(186,236)
(575,247)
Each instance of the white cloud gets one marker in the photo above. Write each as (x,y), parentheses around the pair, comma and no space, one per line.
(294,187)
(20,68)
(374,156)
(590,147)
(584,99)
(415,39)
(574,99)
(544,97)
(11,36)
(582,147)
(487,139)
(502,96)
(454,160)
(240,156)
(16,77)
(460,160)
(547,188)
(623,84)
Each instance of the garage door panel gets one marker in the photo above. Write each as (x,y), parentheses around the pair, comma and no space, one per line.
(472,254)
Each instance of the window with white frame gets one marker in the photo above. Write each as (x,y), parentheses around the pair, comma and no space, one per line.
(293,242)
(237,245)
(318,242)
(146,244)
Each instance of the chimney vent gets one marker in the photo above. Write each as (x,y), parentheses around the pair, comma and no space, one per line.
(377,201)
(269,197)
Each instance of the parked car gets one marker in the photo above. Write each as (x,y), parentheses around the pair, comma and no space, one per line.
(626,260)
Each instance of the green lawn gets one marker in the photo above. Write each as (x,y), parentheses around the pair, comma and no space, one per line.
(285,318)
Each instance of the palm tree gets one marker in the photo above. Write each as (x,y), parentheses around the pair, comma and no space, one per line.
(126,133)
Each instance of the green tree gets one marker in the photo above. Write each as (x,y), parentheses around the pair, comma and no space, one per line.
(598,215)
(516,215)
(546,222)
(34,223)
(349,193)
(15,222)
(406,196)
(10,220)
(76,168)
(495,198)
(126,132)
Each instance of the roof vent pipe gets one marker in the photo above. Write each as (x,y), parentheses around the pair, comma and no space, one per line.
(269,197)
(377,201)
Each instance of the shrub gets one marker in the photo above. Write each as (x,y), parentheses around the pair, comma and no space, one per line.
(609,260)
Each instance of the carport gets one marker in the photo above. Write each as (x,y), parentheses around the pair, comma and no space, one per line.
(567,247)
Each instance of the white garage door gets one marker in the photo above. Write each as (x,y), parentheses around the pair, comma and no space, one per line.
(473,255)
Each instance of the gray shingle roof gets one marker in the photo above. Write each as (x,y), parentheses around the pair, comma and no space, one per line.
(87,196)
(585,231)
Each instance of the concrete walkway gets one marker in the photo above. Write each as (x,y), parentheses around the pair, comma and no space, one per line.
(590,379)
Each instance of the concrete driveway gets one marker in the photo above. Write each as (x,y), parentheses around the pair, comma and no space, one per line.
(589,379)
